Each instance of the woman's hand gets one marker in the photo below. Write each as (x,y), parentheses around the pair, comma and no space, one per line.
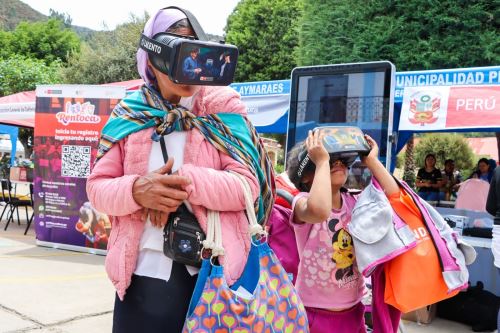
(157,218)
(315,148)
(373,154)
(160,191)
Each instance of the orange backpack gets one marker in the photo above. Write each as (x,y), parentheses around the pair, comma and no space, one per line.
(414,279)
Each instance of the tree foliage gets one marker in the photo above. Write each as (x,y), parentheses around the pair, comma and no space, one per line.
(409,163)
(445,146)
(109,56)
(65,18)
(19,73)
(265,32)
(414,35)
(26,136)
(49,41)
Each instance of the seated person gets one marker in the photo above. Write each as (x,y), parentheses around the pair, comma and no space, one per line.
(451,179)
(483,171)
(429,179)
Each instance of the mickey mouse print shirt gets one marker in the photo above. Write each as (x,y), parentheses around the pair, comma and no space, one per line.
(328,277)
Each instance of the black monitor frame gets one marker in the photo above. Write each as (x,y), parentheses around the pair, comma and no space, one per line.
(351,68)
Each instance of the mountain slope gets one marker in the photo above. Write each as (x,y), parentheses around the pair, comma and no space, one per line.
(14,11)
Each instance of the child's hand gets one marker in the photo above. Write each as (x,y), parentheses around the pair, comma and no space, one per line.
(373,150)
(315,148)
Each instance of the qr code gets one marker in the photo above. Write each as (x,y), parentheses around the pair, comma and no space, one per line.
(75,161)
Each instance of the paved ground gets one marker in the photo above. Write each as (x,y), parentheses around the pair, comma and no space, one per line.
(46,290)
(51,290)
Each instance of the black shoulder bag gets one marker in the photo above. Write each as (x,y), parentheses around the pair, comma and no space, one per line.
(182,235)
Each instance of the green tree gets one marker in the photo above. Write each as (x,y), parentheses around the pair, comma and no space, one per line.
(445,146)
(414,34)
(48,41)
(25,136)
(65,18)
(265,32)
(109,56)
(19,73)
(409,163)
(5,44)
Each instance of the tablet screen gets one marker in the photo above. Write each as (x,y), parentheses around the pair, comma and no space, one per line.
(347,95)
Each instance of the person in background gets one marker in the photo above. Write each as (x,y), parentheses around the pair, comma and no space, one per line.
(483,170)
(451,179)
(429,179)
(493,207)
(493,164)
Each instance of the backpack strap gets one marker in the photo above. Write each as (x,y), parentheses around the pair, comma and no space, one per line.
(284,194)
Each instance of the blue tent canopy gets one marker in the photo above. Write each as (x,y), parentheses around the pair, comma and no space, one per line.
(13,132)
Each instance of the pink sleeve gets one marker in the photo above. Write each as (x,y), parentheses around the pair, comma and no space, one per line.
(219,99)
(216,189)
(108,189)
(293,222)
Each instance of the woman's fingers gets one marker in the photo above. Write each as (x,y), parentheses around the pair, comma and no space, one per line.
(157,189)
(166,208)
(172,193)
(158,218)
(169,202)
(152,217)
(174,180)
(163,218)
(144,215)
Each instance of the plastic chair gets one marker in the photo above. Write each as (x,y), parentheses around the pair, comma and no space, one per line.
(5,187)
(16,201)
(4,197)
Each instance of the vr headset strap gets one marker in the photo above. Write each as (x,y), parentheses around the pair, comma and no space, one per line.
(198,30)
(151,46)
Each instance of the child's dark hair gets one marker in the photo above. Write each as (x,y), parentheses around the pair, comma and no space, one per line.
(292,166)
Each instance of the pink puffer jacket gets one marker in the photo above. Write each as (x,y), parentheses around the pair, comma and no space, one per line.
(109,189)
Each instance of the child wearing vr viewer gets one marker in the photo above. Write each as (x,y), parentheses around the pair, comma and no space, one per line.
(328,280)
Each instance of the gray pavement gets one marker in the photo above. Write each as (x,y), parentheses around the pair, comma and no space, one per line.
(50,290)
(46,290)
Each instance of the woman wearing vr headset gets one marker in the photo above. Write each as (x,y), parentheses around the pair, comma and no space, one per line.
(132,183)
(328,281)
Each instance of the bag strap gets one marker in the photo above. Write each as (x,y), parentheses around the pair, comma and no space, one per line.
(163,148)
(213,240)
(255,227)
